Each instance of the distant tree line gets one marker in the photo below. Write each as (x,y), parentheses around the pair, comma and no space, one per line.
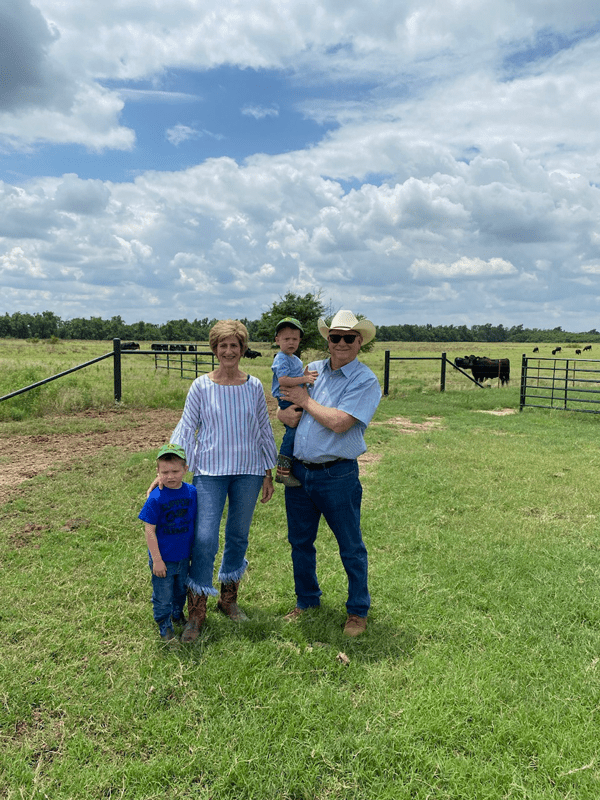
(48,325)
(480,333)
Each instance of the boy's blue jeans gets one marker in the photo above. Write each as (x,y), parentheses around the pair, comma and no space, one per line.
(287,443)
(169,593)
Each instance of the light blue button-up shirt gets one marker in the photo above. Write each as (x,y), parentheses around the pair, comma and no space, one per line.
(353,388)
(290,366)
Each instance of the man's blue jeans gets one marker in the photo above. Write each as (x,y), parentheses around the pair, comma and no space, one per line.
(213,490)
(169,593)
(336,494)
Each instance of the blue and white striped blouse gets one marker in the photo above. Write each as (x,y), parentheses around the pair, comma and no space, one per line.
(225,430)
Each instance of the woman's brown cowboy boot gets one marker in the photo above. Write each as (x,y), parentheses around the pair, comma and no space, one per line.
(196,616)
(227,602)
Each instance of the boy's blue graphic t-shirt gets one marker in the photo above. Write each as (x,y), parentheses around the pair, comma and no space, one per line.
(173,511)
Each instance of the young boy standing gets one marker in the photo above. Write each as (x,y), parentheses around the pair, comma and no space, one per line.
(288,370)
(169,515)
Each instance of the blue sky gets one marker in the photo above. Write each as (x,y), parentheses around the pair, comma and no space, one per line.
(415,162)
(225,111)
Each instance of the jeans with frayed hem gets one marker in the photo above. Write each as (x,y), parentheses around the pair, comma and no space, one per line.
(213,490)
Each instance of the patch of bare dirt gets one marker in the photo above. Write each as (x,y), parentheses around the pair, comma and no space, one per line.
(407,426)
(27,536)
(368,462)
(502,412)
(132,431)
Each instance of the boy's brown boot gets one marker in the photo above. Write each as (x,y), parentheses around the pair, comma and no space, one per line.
(196,614)
(284,472)
(227,602)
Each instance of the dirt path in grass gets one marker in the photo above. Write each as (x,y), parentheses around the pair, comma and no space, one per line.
(128,430)
(132,431)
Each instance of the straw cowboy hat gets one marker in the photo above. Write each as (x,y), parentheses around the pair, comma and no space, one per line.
(346,321)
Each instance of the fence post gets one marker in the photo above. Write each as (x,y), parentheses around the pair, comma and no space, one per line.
(523,392)
(443,374)
(117,369)
(386,373)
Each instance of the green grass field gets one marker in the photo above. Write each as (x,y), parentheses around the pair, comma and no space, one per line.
(478,677)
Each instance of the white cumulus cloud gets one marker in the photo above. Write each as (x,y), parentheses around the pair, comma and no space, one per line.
(260,112)
(463,268)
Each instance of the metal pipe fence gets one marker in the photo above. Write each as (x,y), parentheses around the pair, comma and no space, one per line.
(55,377)
(442,359)
(567,384)
(188,364)
(174,360)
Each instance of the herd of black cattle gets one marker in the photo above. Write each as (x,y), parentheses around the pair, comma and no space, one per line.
(481,367)
(179,348)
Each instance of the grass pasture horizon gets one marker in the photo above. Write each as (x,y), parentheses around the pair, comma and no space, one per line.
(478,677)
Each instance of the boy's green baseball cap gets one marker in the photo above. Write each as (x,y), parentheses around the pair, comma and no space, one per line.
(175,449)
(289,322)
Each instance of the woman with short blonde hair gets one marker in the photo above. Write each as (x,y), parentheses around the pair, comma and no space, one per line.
(225,328)
(226,433)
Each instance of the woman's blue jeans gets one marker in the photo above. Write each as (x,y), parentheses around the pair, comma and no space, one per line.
(213,490)
(334,493)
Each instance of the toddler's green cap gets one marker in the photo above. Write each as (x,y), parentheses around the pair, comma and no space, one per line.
(288,322)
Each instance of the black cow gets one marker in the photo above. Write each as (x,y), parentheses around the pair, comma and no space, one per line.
(587,347)
(483,368)
(130,346)
(536,349)
(177,348)
(252,353)
(577,352)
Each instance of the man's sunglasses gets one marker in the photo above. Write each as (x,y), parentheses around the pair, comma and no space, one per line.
(349,338)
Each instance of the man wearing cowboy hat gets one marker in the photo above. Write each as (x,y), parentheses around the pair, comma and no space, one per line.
(329,439)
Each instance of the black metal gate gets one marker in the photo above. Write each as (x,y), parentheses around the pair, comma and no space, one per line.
(568,384)
(185,359)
